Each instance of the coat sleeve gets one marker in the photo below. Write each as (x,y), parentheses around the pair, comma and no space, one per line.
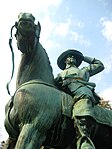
(95,65)
(58,78)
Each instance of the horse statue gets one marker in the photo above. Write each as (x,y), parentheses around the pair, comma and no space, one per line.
(39,114)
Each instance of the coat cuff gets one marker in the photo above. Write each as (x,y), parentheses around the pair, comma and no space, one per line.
(88,59)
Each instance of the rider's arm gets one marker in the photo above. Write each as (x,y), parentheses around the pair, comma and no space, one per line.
(95,66)
(58,78)
(58,81)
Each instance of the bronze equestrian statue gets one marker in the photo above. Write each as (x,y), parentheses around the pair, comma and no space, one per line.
(39,114)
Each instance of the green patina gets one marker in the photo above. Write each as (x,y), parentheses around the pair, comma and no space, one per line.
(43,114)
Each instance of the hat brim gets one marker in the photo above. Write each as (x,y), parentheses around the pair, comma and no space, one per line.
(61,59)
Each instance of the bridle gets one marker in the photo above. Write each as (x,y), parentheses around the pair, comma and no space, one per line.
(26,35)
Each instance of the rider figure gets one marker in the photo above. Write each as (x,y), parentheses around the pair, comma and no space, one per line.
(76,82)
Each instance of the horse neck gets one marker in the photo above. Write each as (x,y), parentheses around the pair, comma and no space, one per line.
(35,66)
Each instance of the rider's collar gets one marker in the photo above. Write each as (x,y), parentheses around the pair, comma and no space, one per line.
(69,66)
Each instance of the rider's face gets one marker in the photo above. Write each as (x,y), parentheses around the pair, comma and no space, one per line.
(70,60)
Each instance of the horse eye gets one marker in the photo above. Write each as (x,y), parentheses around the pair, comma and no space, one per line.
(26,23)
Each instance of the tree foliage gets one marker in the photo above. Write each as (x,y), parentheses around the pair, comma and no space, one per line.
(105,104)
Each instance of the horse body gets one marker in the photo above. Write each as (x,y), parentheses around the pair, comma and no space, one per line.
(39,123)
(36,120)
(35,116)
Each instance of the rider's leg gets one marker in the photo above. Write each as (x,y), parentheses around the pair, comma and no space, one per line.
(83,126)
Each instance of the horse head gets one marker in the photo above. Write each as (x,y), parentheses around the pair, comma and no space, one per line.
(35,62)
(26,32)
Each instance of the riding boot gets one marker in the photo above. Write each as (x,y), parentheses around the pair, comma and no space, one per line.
(83,130)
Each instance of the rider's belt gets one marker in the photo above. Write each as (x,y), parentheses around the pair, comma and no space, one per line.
(70,80)
(80,80)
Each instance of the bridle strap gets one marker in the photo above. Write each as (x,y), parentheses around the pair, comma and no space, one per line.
(10,45)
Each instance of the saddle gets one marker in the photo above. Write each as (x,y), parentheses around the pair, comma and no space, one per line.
(67,104)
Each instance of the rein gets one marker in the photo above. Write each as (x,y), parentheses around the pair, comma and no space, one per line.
(10,45)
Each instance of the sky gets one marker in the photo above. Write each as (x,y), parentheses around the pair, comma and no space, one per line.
(84,25)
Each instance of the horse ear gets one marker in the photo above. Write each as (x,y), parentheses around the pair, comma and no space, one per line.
(39,26)
(16,24)
(38,29)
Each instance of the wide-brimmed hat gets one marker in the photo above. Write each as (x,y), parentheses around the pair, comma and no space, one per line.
(61,59)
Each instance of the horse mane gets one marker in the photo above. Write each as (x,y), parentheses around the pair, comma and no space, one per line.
(35,65)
